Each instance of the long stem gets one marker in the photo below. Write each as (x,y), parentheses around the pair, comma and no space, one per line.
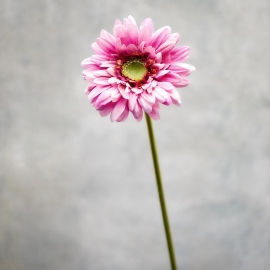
(160,192)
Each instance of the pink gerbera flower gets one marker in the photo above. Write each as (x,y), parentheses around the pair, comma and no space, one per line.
(135,69)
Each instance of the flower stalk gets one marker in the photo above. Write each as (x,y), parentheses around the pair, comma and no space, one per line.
(161,192)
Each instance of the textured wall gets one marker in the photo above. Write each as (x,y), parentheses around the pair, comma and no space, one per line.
(77,192)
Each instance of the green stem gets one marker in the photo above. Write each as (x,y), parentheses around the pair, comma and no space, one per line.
(160,192)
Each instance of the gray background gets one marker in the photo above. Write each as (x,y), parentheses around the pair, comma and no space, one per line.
(77,192)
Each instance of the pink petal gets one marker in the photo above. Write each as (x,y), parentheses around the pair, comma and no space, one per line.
(132,101)
(136,90)
(180,53)
(88,74)
(97,49)
(160,94)
(131,20)
(96,91)
(149,24)
(137,112)
(120,48)
(122,33)
(166,85)
(93,68)
(175,36)
(172,77)
(154,83)
(159,57)
(86,62)
(111,71)
(119,31)
(113,80)
(149,98)
(101,73)
(151,53)
(144,35)
(98,59)
(145,105)
(159,66)
(131,48)
(108,64)
(166,59)
(105,45)
(124,115)
(168,101)
(154,116)
(103,98)
(146,86)
(115,95)
(141,46)
(175,97)
(160,36)
(89,88)
(101,81)
(107,36)
(118,109)
(133,33)
(161,73)
(93,101)
(155,112)
(106,109)
(166,47)
(181,68)
(89,80)
(183,83)
(122,89)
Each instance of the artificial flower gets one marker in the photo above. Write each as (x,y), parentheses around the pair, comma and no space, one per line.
(135,69)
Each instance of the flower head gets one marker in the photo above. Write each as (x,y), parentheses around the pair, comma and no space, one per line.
(135,69)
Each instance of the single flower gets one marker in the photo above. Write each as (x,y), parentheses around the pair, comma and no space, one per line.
(135,69)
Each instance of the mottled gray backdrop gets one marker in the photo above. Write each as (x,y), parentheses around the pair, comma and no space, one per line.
(77,192)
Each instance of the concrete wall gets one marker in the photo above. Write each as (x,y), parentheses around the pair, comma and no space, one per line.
(77,192)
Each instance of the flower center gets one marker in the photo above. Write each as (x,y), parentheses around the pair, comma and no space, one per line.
(134,69)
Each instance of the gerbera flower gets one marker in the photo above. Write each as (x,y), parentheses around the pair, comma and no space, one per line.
(135,69)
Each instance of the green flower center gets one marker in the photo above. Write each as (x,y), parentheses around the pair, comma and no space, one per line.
(134,69)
